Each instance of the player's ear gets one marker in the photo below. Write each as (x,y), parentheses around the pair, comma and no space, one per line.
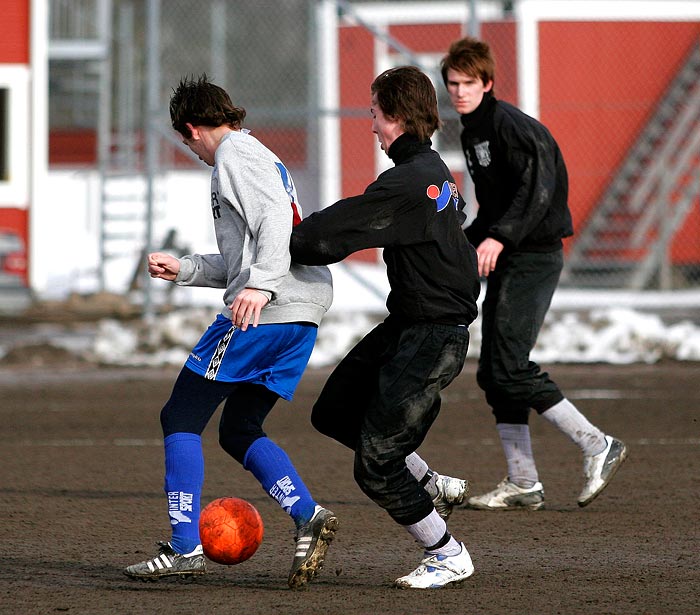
(194,131)
(488,86)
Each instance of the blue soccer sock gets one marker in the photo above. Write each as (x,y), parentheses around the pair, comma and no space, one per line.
(184,476)
(278,477)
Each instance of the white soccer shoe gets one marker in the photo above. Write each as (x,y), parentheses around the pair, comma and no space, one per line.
(599,469)
(451,493)
(437,571)
(508,496)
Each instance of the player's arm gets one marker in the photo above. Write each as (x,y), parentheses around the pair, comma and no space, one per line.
(246,307)
(533,167)
(372,220)
(207,270)
(487,253)
(163,266)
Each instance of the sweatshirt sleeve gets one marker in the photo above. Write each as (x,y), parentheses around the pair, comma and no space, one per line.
(202,270)
(533,163)
(381,217)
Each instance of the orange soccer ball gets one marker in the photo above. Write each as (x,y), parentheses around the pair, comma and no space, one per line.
(231,530)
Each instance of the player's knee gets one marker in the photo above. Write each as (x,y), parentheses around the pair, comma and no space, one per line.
(484,380)
(323,422)
(370,475)
(235,448)
(363,477)
(237,444)
(512,415)
(168,423)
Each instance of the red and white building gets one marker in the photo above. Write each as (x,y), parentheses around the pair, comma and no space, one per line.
(23,134)
(594,71)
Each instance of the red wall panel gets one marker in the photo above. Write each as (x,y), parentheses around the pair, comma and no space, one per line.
(431,38)
(356,57)
(501,38)
(357,142)
(14,37)
(599,84)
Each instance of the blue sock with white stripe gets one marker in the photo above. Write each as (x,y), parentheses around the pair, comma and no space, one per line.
(278,477)
(184,477)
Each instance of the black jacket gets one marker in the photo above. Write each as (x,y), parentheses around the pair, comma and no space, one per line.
(519,176)
(413,211)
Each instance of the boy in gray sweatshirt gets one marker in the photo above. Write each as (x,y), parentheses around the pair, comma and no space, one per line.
(257,348)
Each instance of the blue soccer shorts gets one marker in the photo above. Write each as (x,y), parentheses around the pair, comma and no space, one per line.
(273,355)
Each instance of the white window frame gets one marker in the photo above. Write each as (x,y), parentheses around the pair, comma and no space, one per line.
(14,191)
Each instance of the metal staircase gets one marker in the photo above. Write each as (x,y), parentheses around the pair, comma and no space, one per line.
(99,41)
(92,38)
(124,185)
(626,242)
(123,229)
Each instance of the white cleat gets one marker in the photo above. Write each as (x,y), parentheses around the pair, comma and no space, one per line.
(599,469)
(451,493)
(437,571)
(508,496)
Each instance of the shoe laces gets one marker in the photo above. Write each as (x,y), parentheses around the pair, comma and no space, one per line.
(437,561)
(165,548)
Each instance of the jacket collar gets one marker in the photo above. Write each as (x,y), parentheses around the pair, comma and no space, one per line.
(407,145)
(476,117)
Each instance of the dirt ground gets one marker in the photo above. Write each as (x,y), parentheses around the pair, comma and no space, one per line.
(81,484)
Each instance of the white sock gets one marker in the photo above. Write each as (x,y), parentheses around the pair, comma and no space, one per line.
(416,466)
(430,531)
(419,468)
(450,549)
(517,447)
(567,419)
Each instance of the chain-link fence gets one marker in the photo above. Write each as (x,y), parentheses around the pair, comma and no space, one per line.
(620,92)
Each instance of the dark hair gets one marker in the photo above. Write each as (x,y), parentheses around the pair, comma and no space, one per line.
(406,94)
(471,57)
(201,103)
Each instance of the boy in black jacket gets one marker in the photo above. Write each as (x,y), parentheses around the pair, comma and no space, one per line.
(522,189)
(384,395)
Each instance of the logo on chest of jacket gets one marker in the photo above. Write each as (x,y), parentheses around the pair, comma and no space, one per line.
(443,196)
(483,154)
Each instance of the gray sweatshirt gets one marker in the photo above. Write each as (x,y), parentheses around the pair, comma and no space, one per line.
(253,199)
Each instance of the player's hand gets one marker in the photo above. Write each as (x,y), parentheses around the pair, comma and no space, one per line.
(246,307)
(487,254)
(163,266)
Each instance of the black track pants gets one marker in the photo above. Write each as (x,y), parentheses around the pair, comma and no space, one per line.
(382,399)
(518,295)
